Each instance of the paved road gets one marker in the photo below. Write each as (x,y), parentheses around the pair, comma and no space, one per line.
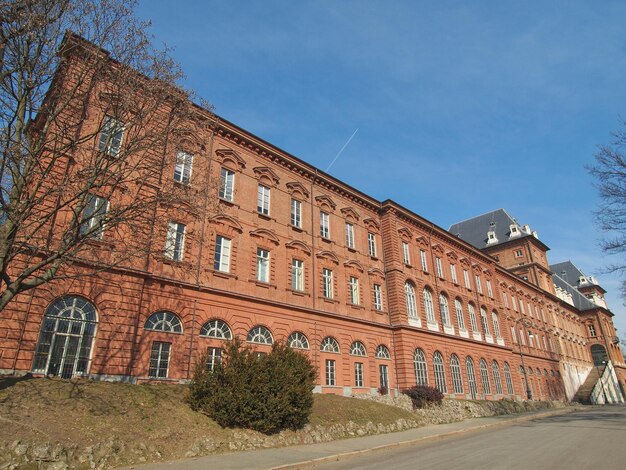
(587,440)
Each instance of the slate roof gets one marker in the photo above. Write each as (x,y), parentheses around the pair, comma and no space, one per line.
(568,272)
(474,230)
(580,301)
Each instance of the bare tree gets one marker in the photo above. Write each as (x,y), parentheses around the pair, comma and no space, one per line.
(86,118)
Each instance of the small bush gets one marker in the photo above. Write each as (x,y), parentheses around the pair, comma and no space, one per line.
(422,395)
(268,393)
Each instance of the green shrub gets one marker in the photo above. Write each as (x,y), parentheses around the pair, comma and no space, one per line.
(267,393)
(422,395)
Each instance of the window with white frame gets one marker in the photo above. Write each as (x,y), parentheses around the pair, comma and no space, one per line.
(298,340)
(495,371)
(522,337)
(471,376)
(382,352)
(453,274)
(329,344)
(260,335)
(93,217)
(263,200)
(521,306)
(423,261)
(458,307)
(518,253)
(409,297)
(349,235)
(443,308)
(159,360)
(440,372)
(227,185)
(330,372)
(371,243)
(182,170)
(378,297)
(455,371)
(213,358)
(489,289)
(428,306)
(111,136)
(406,256)
(164,321)
(358,374)
(175,241)
(472,315)
(297,275)
(357,349)
(496,324)
(592,330)
(383,376)
(466,278)
(296,213)
(262,265)
(479,286)
(354,290)
(507,379)
(327,283)
(484,377)
(324,225)
(505,299)
(439,267)
(216,329)
(483,321)
(513,334)
(222,254)
(421,369)
(514,302)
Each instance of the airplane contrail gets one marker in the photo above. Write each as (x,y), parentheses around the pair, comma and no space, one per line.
(342,149)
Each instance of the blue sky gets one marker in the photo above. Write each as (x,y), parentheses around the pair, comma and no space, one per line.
(461,107)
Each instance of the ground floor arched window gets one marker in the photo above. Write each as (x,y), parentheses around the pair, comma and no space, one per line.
(66,338)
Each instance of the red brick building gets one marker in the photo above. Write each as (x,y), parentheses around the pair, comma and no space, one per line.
(269,248)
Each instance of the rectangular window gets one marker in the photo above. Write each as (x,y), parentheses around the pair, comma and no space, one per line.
(358,374)
(324,225)
(262,265)
(111,137)
(505,300)
(522,337)
(378,297)
(175,241)
(513,335)
(371,244)
(489,289)
(424,261)
(182,170)
(296,213)
(354,290)
(383,376)
(518,253)
(406,256)
(159,360)
(94,214)
(479,286)
(297,275)
(521,307)
(222,254)
(439,267)
(592,331)
(214,357)
(263,200)
(327,283)
(466,278)
(227,185)
(453,274)
(514,302)
(330,372)
(349,235)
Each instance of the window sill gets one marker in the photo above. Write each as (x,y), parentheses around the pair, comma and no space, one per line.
(296,228)
(223,274)
(299,293)
(374,257)
(356,306)
(351,249)
(182,184)
(329,300)
(408,265)
(99,242)
(265,216)
(327,240)
(266,285)
(173,262)
(227,202)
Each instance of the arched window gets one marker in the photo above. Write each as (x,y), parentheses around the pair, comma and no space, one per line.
(409,297)
(357,349)
(421,371)
(382,352)
(455,370)
(508,379)
(164,321)
(216,329)
(458,307)
(471,377)
(443,307)
(428,306)
(598,354)
(440,372)
(472,315)
(329,344)
(70,325)
(260,335)
(483,320)
(495,371)
(484,377)
(496,324)
(298,340)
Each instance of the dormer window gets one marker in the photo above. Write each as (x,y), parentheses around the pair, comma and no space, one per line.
(491,237)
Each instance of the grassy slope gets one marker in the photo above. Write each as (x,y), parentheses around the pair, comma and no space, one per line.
(83,413)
